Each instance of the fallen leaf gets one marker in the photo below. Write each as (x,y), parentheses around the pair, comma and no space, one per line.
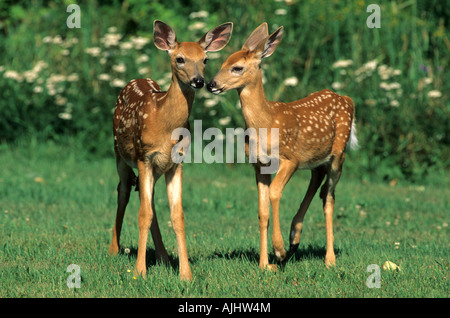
(388,265)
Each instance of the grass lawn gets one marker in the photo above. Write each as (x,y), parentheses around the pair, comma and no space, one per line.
(57,208)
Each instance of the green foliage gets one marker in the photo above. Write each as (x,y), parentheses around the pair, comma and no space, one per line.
(58,81)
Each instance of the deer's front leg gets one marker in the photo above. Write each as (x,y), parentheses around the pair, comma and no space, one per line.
(285,172)
(147,179)
(263,183)
(174,180)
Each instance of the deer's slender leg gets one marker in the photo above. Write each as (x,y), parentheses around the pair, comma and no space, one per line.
(285,172)
(317,176)
(174,180)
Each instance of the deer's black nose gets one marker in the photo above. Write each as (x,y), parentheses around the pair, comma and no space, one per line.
(197,82)
(211,85)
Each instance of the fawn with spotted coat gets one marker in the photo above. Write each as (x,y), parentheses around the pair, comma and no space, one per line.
(313,134)
(144,120)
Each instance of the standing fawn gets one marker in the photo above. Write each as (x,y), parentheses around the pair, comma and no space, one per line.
(313,134)
(144,120)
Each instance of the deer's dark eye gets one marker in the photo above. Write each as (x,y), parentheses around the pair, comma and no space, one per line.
(205,61)
(180,60)
(237,69)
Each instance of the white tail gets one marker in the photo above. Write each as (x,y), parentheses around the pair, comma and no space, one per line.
(144,120)
(353,143)
(313,134)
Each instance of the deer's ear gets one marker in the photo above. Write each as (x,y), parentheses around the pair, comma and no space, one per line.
(267,47)
(217,38)
(259,34)
(163,36)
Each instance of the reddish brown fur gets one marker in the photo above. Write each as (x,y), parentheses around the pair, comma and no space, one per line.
(313,134)
(144,120)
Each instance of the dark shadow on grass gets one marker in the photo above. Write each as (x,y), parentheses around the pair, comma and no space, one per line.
(252,255)
(150,257)
(309,252)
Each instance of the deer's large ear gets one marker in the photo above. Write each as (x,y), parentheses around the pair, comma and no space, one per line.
(217,38)
(259,34)
(163,36)
(267,47)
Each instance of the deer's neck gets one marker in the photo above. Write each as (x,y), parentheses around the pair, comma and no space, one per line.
(177,103)
(255,106)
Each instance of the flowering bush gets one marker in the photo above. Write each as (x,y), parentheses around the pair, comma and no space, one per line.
(58,81)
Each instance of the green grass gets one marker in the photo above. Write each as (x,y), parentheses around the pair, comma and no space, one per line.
(57,207)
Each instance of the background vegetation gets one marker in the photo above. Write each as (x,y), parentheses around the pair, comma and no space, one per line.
(60,82)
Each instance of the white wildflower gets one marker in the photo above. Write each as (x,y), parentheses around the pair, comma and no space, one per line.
(427,80)
(126,45)
(139,42)
(38,89)
(59,100)
(104,77)
(280,11)
(65,116)
(72,77)
(118,83)
(94,51)
(211,102)
(337,85)
(144,70)
(434,94)
(394,103)
(342,63)
(13,75)
(225,121)
(110,39)
(371,65)
(395,85)
(199,14)
(142,58)
(196,26)
(291,81)
(119,68)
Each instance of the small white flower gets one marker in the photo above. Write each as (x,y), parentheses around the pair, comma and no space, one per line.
(434,94)
(72,77)
(126,45)
(196,26)
(337,85)
(142,58)
(211,102)
(94,51)
(118,83)
(38,89)
(427,80)
(394,103)
(371,65)
(342,63)
(395,85)
(144,70)
(13,75)
(199,14)
(280,11)
(112,29)
(65,116)
(291,81)
(225,121)
(139,42)
(119,68)
(104,77)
